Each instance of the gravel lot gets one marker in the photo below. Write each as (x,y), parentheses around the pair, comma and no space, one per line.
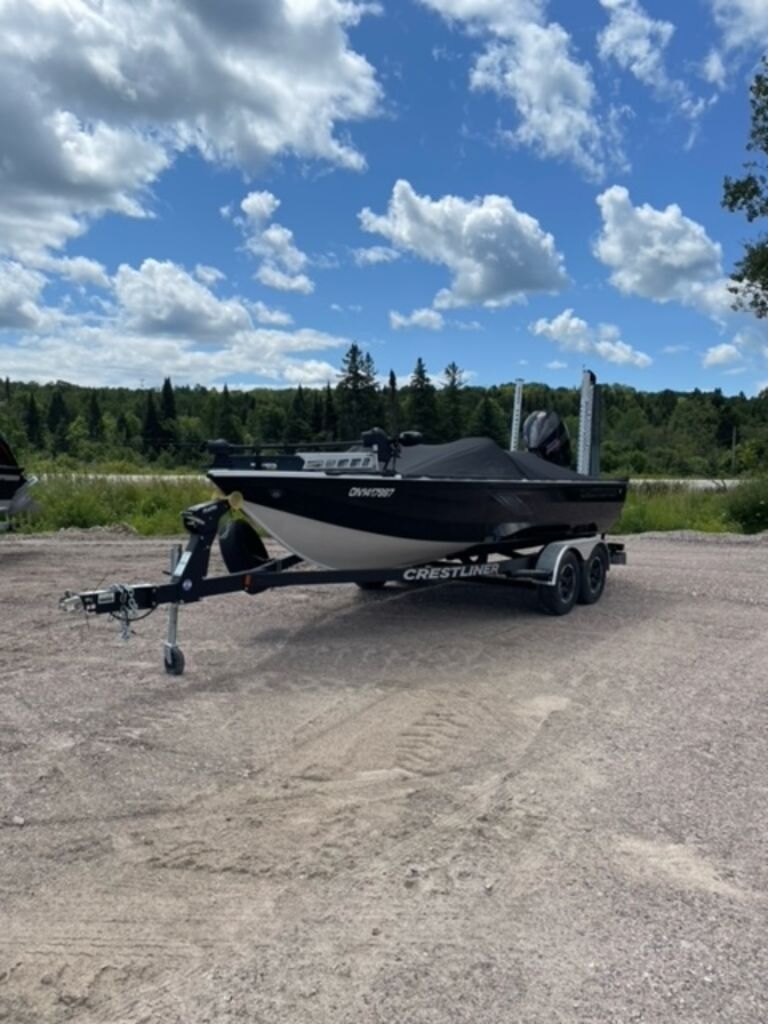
(428,806)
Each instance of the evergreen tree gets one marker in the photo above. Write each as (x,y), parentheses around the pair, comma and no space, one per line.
(151,433)
(330,416)
(7,389)
(316,415)
(33,425)
(167,402)
(488,420)
(356,394)
(421,406)
(57,421)
(297,426)
(393,406)
(94,421)
(227,425)
(449,404)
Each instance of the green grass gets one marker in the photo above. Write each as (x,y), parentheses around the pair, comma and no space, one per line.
(150,507)
(676,507)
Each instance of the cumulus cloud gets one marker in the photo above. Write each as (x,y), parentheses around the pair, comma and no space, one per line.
(283,263)
(495,254)
(162,298)
(20,290)
(428,319)
(164,322)
(375,254)
(743,23)
(528,61)
(209,275)
(266,315)
(721,355)
(96,100)
(572,334)
(660,254)
(637,42)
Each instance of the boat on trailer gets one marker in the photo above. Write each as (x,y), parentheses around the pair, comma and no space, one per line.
(14,487)
(389,509)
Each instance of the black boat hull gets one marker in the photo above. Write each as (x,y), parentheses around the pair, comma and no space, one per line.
(346,521)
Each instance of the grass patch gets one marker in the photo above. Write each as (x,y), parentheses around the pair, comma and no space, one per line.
(151,507)
(675,507)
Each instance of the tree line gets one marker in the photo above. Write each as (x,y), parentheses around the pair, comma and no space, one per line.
(655,433)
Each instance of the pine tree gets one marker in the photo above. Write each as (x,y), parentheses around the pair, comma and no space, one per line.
(94,421)
(151,433)
(167,402)
(297,425)
(227,425)
(57,421)
(393,406)
(449,404)
(32,423)
(422,404)
(330,416)
(488,420)
(357,394)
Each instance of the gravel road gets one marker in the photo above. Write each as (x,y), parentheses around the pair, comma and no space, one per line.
(427,806)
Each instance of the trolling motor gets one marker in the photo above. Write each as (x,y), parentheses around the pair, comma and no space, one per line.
(389,449)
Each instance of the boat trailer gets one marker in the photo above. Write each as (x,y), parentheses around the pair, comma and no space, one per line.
(564,572)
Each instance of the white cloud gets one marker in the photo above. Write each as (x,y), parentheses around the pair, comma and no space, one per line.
(273,277)
(744,23)
(20,290)
(721,355)
(428,319)
(528,61)
(258,206)
(637,43)
(209,275)
(79,269)
(266,315)
(713,69)
(97,99)
(572,334)
(160,298)
(557,365)
(660,254)
(495,253)
(283,262)
(375,254)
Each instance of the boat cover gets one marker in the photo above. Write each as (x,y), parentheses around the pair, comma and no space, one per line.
(478,457)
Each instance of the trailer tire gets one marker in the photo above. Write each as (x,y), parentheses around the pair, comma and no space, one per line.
(560,597)
(241,547)
(594,572)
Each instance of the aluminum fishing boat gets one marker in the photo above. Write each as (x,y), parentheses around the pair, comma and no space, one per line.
(388,503)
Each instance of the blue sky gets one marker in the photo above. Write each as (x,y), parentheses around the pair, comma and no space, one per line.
(235,192)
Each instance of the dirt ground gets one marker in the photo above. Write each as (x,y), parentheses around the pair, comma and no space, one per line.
(426,806)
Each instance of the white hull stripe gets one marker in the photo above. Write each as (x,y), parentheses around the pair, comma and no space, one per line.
(339,547)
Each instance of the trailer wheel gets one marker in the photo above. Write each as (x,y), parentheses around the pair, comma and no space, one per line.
(241,547)
(593,576)
(559,598)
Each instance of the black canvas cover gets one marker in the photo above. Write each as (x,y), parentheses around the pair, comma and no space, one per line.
(478,458)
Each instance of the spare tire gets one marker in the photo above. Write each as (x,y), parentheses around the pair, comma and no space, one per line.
(241,547)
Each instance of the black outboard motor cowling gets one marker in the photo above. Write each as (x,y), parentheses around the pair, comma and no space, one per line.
(547,436)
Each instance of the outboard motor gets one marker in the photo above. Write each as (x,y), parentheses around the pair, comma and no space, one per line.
(547,436)
(377,439)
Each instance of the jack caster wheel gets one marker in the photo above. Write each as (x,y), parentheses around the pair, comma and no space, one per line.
(560,598)
(174,661)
